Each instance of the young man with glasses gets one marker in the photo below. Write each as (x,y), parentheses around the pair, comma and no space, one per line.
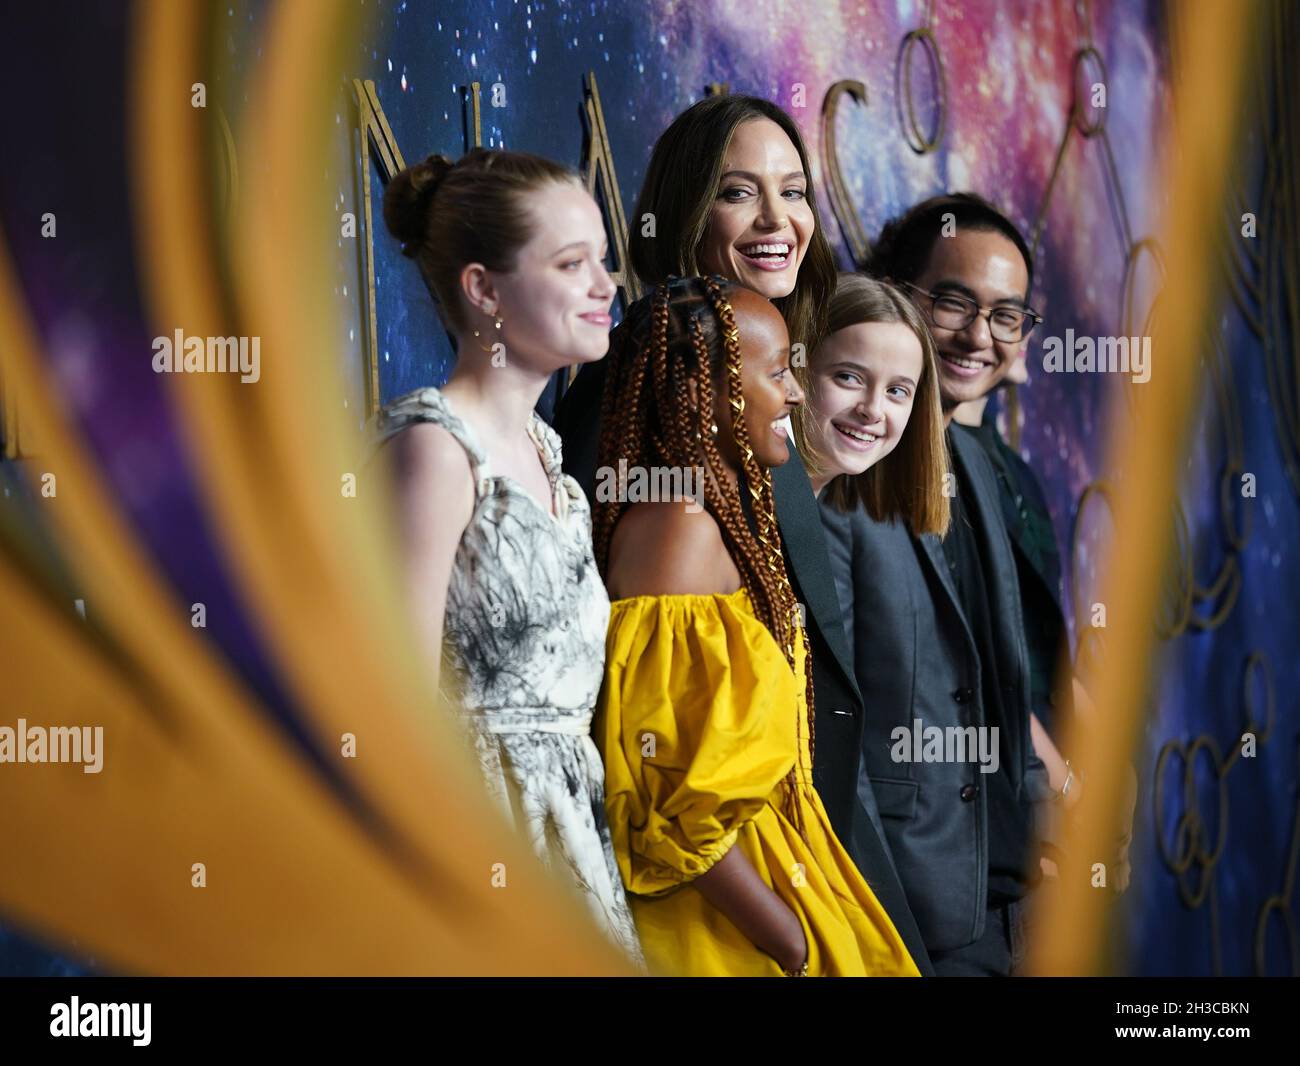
(939,624)
(1038,568)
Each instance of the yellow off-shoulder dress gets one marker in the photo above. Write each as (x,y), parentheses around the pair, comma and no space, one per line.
(697,726)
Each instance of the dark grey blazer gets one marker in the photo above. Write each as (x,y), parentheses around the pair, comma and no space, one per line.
(839,718)
(915,657)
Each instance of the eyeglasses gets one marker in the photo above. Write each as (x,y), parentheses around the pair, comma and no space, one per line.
(951,310)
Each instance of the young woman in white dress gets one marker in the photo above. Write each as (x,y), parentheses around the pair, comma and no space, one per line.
(497,539)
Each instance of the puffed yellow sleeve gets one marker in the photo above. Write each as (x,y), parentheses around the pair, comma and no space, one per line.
(696,725)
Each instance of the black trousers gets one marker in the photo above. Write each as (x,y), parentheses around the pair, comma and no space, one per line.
(998,953)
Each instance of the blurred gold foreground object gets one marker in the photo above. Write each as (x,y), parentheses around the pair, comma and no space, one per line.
(1208,43)
(395,862)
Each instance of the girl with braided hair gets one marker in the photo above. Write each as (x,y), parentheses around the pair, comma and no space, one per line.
(704,720)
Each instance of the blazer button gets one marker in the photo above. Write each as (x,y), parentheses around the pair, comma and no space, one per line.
(963,695)
(969,792)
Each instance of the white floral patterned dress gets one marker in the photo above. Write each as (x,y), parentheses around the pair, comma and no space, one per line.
(524,648)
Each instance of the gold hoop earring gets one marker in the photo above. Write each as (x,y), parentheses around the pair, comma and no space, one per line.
(496,321)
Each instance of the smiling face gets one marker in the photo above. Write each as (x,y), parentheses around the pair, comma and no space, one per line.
(989,269)
(761,222)
(864,382)
(555,304)
(769,388)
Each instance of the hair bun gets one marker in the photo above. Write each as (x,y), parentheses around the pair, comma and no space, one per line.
(407,200)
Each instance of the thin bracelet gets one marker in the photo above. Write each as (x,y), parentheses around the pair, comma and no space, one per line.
(801,972)
(1069,778)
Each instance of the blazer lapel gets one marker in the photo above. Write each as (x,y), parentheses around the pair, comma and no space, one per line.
(983,499)
(805,543)
(932,552)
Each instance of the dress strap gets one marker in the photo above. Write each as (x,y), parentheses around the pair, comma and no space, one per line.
(430,405)
(566,493)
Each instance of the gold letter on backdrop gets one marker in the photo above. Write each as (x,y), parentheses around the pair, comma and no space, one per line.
(841,203)
(475,108)
(377,139)
(598,165)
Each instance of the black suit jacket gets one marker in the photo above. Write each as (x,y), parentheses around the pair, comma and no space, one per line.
(838,705)
(1038,566)
(915,657)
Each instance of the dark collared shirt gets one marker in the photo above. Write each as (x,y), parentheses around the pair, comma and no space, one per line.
(1039,563)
